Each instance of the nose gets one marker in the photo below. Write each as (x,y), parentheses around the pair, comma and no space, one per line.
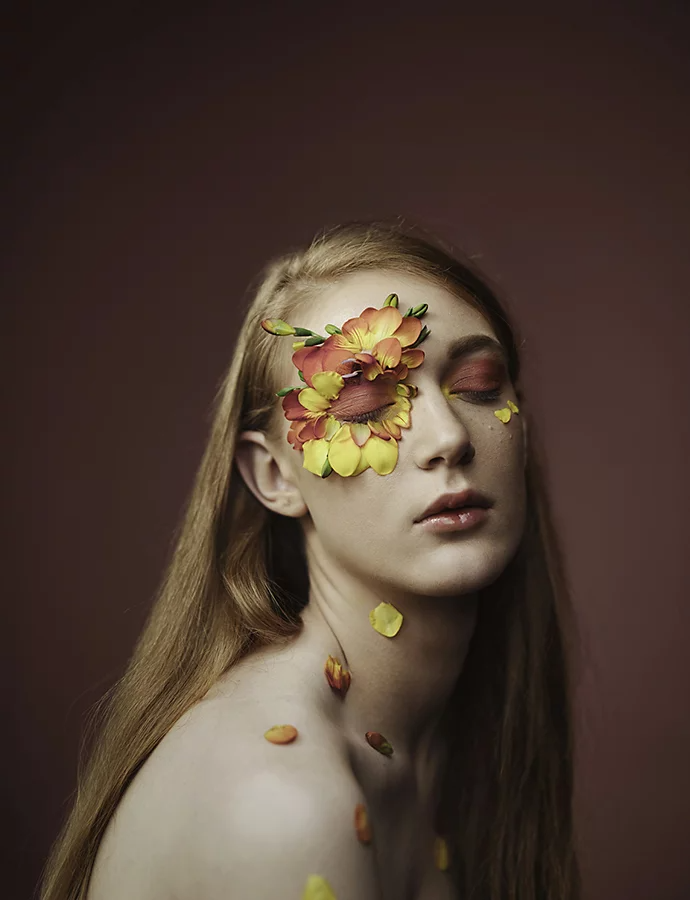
(437,432)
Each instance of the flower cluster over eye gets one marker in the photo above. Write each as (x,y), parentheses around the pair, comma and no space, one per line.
(349,414)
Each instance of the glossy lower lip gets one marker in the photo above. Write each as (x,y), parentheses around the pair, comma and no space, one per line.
(455,519)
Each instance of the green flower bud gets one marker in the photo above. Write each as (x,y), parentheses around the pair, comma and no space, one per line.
(303,332)
(423,335)
(391,300)
(326,471)
(408,313)
(277,326)
(301,375)
(313,341)
(419,311)
(333,329)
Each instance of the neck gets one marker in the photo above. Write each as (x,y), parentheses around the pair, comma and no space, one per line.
(400,685)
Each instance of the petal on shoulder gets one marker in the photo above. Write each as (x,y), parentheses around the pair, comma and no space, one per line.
(269,829)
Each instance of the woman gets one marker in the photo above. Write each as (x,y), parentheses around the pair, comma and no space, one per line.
(349,686)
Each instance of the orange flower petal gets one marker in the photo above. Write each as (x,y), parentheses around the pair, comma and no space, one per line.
(281,734)
(386,619)
(382,322)
(388,352)
(362,827)
(317,888)
(408,330)
(337,677)
(378,742)
(412,358)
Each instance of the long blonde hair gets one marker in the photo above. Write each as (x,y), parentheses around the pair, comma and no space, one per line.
(228,589)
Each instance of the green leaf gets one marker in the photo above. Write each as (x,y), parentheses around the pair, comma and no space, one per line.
(301,375)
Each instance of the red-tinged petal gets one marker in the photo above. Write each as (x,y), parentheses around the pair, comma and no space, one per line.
(388,351)
(392,428)
(376,740)
(336,676)
(400,371)
(412,358)
(314,429)
(362,827)
(281,734)
(378,429)
(292,408)
(333,358)
(360,433)
(409,331)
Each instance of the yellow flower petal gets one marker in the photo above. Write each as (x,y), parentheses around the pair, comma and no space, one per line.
(343,454)
(313,400)
(361,466)
(386,619)
(513,406)
(317,888)
(328,384)
(503,414)
(281,734)
(315,455)
(332,426)
(381,455)
(441,853)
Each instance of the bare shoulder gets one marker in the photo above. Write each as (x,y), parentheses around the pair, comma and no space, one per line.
(220,813)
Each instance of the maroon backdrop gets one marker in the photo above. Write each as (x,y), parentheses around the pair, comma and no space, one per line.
(156,161)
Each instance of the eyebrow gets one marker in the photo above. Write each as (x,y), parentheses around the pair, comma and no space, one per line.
(471,342)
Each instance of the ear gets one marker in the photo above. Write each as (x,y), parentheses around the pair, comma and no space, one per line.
(267,476)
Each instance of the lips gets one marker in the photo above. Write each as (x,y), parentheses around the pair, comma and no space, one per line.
(445,502)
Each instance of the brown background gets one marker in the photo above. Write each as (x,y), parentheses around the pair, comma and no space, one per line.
(157,159)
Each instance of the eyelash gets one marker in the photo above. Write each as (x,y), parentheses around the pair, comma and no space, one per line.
(482,396)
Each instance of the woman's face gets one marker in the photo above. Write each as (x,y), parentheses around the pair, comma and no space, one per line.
(366,524)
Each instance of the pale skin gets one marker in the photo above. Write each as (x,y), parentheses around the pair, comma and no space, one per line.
(221,812)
